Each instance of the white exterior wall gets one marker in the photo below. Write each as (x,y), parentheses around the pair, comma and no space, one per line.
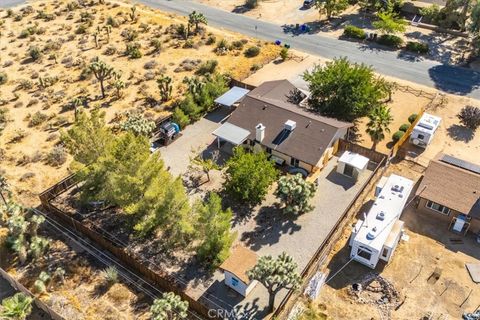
(241,286)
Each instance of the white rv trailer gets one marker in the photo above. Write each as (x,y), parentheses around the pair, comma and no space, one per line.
(424,130)
(377,236)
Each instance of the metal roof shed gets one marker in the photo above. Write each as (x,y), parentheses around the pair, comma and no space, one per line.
(231,133)
(231,96)
(352,164)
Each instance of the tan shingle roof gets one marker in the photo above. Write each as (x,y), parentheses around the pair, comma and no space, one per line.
(451,186)
(239,262)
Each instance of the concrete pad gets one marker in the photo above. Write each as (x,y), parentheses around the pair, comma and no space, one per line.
(474,270)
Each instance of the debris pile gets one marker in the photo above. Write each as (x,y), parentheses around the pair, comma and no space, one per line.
(377,291)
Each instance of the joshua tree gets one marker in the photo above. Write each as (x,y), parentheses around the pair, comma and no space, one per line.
(295,192)
(169,307)
(196,18)
(205,164)
(165,86)
(275,275)
(380,119)
(118,84)
(108,30)
(35,221)
(133,13)
(102,72)
(95,38)
(17,307)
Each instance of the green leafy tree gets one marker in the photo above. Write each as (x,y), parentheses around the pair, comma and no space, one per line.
(88,138)
(379,122)
(331,7)
(249,175)
(474,26)
(389,22)
(18,307)
(344,90)
(169,307)
(197,18)
(276,274)
(295,193)
(214,229)
(165,86)
(137,124)
(102,72)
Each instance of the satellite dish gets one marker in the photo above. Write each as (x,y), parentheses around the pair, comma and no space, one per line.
(416,141)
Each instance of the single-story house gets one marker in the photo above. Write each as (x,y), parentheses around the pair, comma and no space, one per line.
(450,191)
(235,269)
(269,118)
(352,164)
(376,237)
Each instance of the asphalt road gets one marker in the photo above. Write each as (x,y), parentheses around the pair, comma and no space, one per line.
(447,78)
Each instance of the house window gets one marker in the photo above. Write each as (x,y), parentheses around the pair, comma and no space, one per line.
(438,208)
(364,253)
(294,162)
(269,150)
(421,136)
(234,282)
(385,253)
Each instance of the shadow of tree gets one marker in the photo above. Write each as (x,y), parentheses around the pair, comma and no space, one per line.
(410,56)
(271,224)
(460,133)
(456,80)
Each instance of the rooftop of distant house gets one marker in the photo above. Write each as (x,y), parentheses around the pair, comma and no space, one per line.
(453,183)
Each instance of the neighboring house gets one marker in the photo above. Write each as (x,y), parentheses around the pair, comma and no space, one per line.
(269,118)
(235,270)
(450,192)
(376,237)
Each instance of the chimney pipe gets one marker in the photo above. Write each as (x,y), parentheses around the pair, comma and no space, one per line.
(259,132)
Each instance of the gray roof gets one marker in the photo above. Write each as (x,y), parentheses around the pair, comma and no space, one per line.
(231,133)
(268,104)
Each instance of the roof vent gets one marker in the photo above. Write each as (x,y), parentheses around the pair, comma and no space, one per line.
(381,216)
(372,234)
(397,188)
(290,125)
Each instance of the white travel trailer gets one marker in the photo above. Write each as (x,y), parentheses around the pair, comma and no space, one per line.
(424,130)
(377,236)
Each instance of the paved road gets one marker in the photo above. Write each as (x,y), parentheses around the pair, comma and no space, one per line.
(430,73)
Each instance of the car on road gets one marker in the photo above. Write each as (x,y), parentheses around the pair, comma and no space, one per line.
(308,4)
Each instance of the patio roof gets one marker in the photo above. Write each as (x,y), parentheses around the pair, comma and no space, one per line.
(231,133)
(231,96)
(354,159)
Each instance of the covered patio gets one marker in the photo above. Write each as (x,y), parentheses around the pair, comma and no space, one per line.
(230,135)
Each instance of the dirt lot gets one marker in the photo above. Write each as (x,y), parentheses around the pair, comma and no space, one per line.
(409,272)
(24,145)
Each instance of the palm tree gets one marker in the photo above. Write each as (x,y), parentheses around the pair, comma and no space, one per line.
(380,119)
(17,307)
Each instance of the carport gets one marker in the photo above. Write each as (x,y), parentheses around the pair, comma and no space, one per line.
(230,133)
(232,96)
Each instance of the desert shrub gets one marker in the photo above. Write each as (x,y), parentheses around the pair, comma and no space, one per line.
(156,45)
(404,127)
(237,45)
(24,84)
(211,40)
(129,34)
(255,67)
(18,135)
(251,4)
(354,32)
(469,116)
(111,21)
(222,47)
(27,176)
(418,47)
(397,135)
(252,51)
(144,27)
(56,157)
(24,34)
(37,118)
(412,117)
(3,78)
(110,50)
(431,13)
(180,118)
(34,53)
(390,40)
(284,54)
(133,50)
(208,66)
(86,74)
(152,64)
(109,276)
(188,44)
(81,29)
